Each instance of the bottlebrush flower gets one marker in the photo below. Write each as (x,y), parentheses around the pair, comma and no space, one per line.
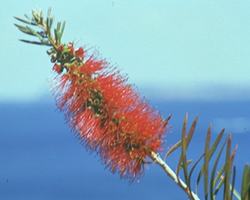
(107,114)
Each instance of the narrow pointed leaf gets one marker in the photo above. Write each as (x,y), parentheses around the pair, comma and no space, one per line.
(173,148)
(182,161)
(35,42)
(206,162)
(245,185)
(25,21)
(198,179)
(49,12)
(227,170)
(219,179)
(209,155)
(58,26)
(191,131)
(216,143)
(192,171)
(234,192)
(233,183)
(25,29)
(220,176)
(56,36)
(213,173)
(61,32)
(183,139)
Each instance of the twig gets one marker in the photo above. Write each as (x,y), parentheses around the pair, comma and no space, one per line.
(157,159)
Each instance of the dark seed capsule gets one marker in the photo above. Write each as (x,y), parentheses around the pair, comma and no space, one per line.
(53,58)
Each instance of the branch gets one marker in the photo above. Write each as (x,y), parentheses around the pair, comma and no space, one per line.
(157,159)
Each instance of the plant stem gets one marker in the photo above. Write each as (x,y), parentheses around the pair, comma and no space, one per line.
(157,159)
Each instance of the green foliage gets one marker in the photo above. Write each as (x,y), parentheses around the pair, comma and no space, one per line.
(217,175)
(245,186)
(41,28)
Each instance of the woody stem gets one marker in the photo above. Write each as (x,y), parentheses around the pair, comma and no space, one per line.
(157,159)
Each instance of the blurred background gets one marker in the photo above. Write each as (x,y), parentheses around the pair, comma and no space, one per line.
(190,56)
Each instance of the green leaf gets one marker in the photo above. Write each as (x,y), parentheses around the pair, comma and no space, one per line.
(233,183)
(216,143)
(245,185)
(219,178)
(226,192)
(56,36)
(213,173)
(209,155)
(61,32)
(173,148)
(191,131)
(25,21)
(198,179)
(188,162)
(35,42)
(58,26)
(179,143)
(192,170)
(36,16)
(233,191)
(25,29)
(183,160)
(49,12)
(206,162)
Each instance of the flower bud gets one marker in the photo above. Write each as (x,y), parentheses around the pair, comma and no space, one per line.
(79,53)
(71,48)
(60,48)
(57,68)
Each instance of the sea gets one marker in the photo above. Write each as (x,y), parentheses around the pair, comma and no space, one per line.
(41,159)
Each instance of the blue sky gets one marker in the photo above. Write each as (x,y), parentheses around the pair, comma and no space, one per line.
(173,49)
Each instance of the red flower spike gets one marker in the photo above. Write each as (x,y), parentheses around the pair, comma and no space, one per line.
(141,131)
(116,92)
(92,66)
(108,115)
